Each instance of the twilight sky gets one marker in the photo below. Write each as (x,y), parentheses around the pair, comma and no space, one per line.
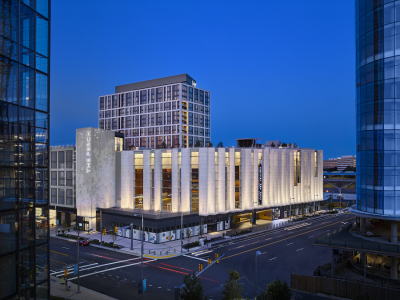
(277,70)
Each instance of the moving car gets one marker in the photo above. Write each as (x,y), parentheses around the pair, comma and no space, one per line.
(83,243)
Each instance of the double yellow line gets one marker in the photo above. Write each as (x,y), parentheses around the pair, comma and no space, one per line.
(286,238)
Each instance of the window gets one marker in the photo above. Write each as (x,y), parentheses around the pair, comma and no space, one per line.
(53,177)
(69,197)
(61,178)
(54,160)
(61,163)
(69,159)
(69,178)
(60,196)
(175,92)
(114,101)
(54,196)
(101,103)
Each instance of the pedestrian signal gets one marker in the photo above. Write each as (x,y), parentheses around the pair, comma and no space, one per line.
(104,232)
(209,261)
(65,272)
(116,229)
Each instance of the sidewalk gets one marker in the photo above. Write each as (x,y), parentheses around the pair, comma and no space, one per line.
(58,289)
(172,248)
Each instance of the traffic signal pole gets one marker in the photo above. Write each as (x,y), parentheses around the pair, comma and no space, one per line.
(101,228)
(78,264)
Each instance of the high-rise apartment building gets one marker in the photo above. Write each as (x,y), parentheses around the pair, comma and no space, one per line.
(340,163)
(159,113)
(24,147)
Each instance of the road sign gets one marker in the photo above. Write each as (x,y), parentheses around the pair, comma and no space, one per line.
(75,269)
(144,285)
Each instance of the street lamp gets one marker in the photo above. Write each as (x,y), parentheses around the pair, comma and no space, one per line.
(255,286)
(141,252)
(131,236)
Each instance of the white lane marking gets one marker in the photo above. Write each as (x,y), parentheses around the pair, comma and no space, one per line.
(66,248)
(145,262)
(289,244)
(328,230)
(159,287)
(310,237)
(272,258)
(168,290)
(195,257)
(70,269)
(300,249)
(98,266)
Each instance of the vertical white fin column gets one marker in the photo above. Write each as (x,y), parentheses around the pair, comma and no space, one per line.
(146,180)
(127,184)
(203,181)
(185,179)
(175,180)
(211,181)
(221,180)
(157,180)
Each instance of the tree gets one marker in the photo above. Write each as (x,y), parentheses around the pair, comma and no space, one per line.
(330,206)
(276,290)
(272,145)
(163,145)
(200,231)
(220,145)
(114,236)
(193,289)
(188,236)
(284,145)
(209,144)
(197,144)
(232,288)
(190,145)
(235,224)
(350,168)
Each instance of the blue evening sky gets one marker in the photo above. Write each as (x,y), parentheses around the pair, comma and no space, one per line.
(277,70)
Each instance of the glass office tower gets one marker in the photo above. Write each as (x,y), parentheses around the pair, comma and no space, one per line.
(378,106)
(24,147)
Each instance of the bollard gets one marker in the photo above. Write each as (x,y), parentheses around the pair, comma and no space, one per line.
(154,252)
(174,250)
(161,252)
(149,251)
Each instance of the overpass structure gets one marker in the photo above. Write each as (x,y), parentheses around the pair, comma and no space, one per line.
(339,184)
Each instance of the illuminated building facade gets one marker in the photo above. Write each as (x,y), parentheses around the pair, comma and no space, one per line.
(159,113)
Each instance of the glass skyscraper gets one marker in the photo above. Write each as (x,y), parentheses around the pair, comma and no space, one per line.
(24,148)
(378,106)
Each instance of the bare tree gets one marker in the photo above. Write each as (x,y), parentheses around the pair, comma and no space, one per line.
(188,236)
(114,235)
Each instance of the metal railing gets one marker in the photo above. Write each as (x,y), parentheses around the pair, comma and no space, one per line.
(355,243)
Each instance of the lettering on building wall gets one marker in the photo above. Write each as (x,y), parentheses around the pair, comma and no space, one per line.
(88,156)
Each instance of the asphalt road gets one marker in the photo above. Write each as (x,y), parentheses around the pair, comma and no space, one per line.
(285,252)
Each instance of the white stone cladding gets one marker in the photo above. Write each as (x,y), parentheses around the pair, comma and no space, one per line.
(216,190)
(95,172)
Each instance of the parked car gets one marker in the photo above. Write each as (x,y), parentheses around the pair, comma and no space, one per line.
(83,243)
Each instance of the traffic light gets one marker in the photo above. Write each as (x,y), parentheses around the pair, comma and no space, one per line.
(104,232)
(65,272)
(209,261)
(116,229)
(216,257)
(200,267)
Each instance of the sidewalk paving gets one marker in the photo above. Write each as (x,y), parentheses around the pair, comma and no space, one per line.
(58,289)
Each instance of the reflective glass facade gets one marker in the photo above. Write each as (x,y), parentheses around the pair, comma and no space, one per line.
(24,148)
(378,106)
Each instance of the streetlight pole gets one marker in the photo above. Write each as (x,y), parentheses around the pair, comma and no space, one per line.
(131,236)
(101,228)
(141,254)
(255,285)
(77,263)
(181,230)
